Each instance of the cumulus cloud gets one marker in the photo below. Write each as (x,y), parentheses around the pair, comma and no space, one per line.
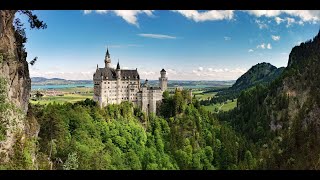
(171,72)
(295,16)
(278,20)
(250,50)
(264,46)
(261,46)
(269,46)
(226,38)
(147,73)
(81,75)
(261,24)
(217,74)
(290,21)
(275,38)
(130,16)
(212,15)
(304,15)
(157,36)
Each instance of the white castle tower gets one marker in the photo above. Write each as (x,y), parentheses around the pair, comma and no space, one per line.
(163,80)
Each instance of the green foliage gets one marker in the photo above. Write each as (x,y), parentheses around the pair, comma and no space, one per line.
(118,137)
(3,108)
(72,162)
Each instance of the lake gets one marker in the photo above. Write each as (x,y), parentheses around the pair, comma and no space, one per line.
(59,86)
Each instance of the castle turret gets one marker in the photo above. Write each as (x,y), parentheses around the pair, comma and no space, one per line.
(118,70)
(107,59)
(163,80)
(119,91)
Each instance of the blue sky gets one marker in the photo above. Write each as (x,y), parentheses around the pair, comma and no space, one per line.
(190,45)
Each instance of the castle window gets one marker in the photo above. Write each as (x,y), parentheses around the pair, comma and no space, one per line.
(104,82)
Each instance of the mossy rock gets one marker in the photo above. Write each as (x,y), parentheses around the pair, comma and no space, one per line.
(1,58)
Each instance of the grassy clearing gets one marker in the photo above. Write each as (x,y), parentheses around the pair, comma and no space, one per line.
(222,107)
(203,96)
(72,98)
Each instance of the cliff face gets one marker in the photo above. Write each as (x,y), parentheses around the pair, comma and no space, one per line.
(297,121)
(13,67)
(16,85)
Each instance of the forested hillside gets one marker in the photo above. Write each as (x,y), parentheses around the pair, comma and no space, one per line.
(283,118)
(261,73)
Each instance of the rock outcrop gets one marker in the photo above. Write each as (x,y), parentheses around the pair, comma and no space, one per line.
(16,87)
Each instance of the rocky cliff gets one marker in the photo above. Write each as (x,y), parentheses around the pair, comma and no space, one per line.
(292,109)
(16,85)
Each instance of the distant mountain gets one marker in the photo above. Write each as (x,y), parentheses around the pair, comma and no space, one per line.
(38,79)
(56,81)
(261,73)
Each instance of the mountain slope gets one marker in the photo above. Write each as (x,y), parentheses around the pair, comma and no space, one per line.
(283,118)
(261,73)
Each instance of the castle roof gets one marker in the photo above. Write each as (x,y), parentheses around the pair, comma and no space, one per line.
(107,53)
(163,70)
(118,65)
(112,75)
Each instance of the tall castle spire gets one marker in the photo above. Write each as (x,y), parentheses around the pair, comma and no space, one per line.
(118,65)
(107,59)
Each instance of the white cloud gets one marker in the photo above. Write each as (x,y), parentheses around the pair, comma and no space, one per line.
(290,21)
(147,73)
(304,15)
(261,24)
(130,16)
(217,74)
(267,13)
(264,46)
(200,68)
(212,15)
(171,72)
(157,36)
(81,75)
(87,11)
(250,50)
(261,46)
(226,38)
(275,38)
(269,46)
(278,20)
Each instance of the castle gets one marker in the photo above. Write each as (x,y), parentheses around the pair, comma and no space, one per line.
(112,86)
